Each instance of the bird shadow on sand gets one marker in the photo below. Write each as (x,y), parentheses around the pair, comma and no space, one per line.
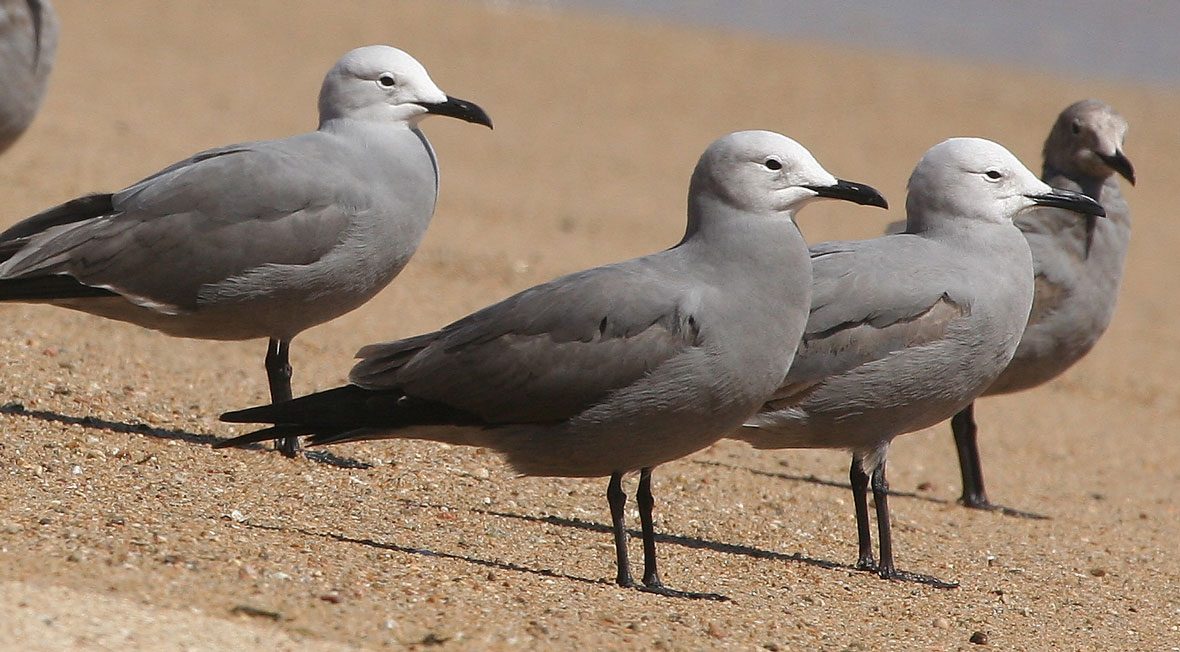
(18,410)
(814,479)
(674,539)
(426,552)
(677,539)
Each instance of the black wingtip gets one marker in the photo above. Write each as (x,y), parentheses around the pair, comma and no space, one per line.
(76,210)
(266,434)
(47,288)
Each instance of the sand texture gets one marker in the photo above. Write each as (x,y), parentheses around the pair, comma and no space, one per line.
(121,529)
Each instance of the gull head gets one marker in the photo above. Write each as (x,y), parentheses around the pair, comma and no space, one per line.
(1088,138)
(978,180)
(766,172)
(383,84)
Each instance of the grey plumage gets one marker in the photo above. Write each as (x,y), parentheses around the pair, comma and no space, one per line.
(1078,267)
(28,43)
(906,329)
(614,369)
(259,239)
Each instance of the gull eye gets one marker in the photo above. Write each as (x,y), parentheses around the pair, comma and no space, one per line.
(773,164)
(387,80)
(993,174)
(1075,128)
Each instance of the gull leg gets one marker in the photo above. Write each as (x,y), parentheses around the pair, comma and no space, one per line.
(963,425)
(886,568)
(651,576)
(617,500)
(974,494)
(278,374)
(860,485)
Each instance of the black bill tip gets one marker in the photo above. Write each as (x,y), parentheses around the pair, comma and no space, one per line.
(857,193)
(1070,201)
(1121,164)
(461,109)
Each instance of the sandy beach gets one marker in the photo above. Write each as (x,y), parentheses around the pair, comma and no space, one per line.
(120,528)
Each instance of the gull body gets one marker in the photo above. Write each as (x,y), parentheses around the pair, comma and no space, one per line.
(256,240)
(614,369)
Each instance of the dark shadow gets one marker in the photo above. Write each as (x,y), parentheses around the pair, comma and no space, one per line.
(425,552)
(675,539)
(16,409)
(814,479)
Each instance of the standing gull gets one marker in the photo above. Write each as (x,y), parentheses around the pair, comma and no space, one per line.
(261,239)
(28,42)
(907,329)
(1078,268)
(614,369)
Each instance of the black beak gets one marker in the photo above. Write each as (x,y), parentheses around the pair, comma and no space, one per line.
(857,193)
(461,109)
(1070,201)
(1119,163)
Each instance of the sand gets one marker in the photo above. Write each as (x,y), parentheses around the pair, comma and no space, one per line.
(121,529)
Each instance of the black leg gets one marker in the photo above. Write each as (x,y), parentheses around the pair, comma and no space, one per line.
(651,576)
(278,374)
(963,425)
(884,526)
(864,540)
(617,500)
(885,566)
(970,467)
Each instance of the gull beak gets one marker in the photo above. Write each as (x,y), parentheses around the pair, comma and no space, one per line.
(857,193)
(1119,163)
(1070,201)
(461,109)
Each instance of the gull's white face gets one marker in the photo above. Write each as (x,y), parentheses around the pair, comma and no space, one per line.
(379,83)
(761,171)
(964,180)
(973,178)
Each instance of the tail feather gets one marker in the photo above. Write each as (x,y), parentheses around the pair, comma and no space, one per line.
(266,434)
(75,210)
(348,413)
(46,288)
(347,405)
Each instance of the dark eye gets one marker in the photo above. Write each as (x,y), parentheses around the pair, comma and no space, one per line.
(1075,128)
(774,164)
(386,80)
(993,174)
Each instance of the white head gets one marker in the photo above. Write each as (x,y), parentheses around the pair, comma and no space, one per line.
(384,84)
(762,171)
(978,180)
(1088,139)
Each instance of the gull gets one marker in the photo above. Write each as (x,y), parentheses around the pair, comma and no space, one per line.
(907,329)
(1078,268)
(614,369)
(28,42)
(262,239)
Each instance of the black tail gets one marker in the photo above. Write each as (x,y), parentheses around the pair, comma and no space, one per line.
(75,210)
(330,416)
(45,288)
(57,286)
